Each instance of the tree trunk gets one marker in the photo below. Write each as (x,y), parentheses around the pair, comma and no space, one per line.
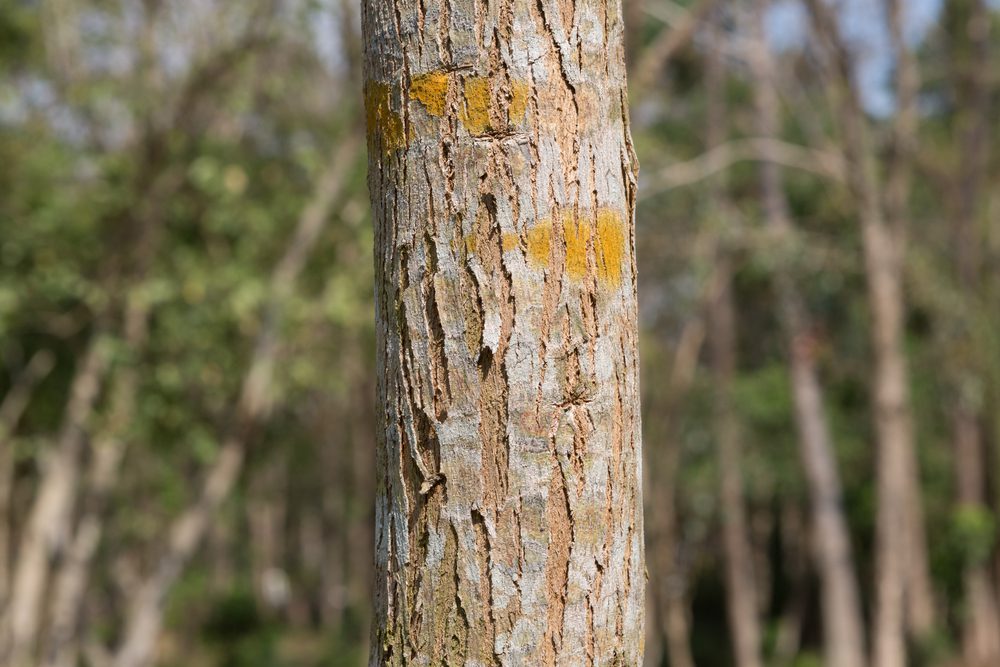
(741,585)
(46,529)
(669,584)
(918,585)
(795,568)
(61,647)
(980,639)
(509,515)
(843,643)
(14,403)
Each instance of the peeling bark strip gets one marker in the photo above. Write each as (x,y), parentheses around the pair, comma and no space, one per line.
(509,526)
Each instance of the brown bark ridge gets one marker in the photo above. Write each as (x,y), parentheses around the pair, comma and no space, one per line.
(502,174)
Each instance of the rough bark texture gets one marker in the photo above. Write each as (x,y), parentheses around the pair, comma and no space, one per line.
(509,525)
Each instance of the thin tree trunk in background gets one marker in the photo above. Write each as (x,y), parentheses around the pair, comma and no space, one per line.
(62,39)
(669,583)
(884,252)
(738,555)
(49,525)
(919,587)
(46,529)
(794,547)
(15,402)
(509,514)
(266,516)
(741,584)
(667,44)
(762,524)
(843,631)
(61,646)
(971,49)
(145,617)
(360,528)
(333,459)
(981,626)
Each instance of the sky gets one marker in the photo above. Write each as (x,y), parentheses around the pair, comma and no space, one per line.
(863,23)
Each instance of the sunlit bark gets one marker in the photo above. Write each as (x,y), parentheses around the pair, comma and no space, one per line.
(508,526)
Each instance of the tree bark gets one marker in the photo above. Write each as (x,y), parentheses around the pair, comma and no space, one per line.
(508,516)
(843,643)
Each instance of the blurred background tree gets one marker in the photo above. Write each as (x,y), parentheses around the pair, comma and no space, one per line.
(186,342)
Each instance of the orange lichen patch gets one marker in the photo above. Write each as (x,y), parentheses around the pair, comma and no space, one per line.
(539,242)
(476,114)
(518,101)
(431,90)
(576,232)
(385,126)
(510,241)
(480,108)
(609,246)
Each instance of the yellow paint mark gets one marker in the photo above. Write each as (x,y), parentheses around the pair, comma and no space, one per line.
(518,101)
(576,232)
(510,241)
(431,90)
(383,123)
(470,244)
(539,242)
(609,247)
(476,114)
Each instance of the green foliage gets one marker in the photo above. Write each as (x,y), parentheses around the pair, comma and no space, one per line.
(973,534)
